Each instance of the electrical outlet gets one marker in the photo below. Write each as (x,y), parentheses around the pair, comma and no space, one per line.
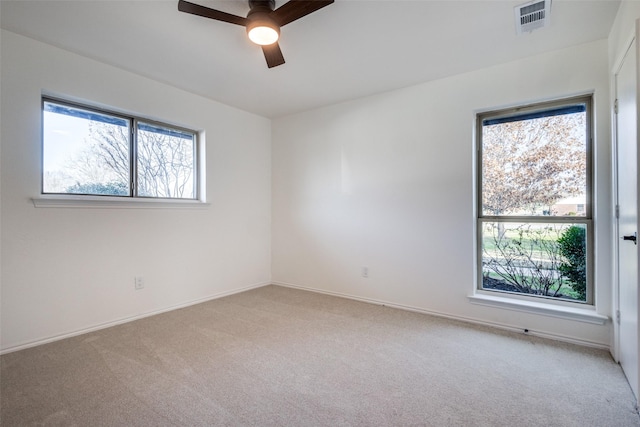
(139,282)
(365,272)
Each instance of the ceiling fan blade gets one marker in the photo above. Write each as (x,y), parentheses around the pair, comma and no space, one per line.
(296,9)
(273,55)
(196,9)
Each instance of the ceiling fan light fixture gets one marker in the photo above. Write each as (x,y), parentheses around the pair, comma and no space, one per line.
(263,34)
(262,30)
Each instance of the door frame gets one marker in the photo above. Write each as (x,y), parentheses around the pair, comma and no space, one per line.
(615,349)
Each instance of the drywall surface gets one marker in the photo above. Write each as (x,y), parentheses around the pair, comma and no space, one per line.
(68,269)
(622,32)
(387,183)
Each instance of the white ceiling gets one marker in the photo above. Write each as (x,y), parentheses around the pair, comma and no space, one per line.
(349,49)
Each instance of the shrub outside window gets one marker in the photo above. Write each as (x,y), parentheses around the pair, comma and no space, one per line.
(535,226)
(86,151)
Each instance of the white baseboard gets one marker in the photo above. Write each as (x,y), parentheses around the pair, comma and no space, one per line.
(541,334)
(120,321)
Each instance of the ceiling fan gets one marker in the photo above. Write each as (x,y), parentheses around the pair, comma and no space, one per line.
(263,21)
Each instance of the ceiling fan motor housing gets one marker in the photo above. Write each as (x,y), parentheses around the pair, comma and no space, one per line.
(269,4)
(260,16)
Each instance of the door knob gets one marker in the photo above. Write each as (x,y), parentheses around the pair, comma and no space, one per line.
(633,237)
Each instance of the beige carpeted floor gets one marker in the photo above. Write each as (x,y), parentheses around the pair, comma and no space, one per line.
(281,357)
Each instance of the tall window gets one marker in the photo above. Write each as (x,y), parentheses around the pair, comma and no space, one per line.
(535,226)
(95,152)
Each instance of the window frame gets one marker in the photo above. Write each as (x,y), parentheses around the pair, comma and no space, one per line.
(133,121)
(587,219)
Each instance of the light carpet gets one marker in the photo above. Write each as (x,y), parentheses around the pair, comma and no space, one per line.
(275,356)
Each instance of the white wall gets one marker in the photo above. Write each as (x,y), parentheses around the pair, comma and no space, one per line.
(622,31)
(384,182)
(387,182)
(64,270)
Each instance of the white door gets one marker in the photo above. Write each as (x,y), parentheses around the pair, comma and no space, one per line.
(627,162)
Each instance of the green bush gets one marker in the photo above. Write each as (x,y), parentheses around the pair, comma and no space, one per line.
(573,248)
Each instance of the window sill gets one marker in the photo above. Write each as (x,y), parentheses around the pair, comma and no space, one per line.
(581,314)
(113,202)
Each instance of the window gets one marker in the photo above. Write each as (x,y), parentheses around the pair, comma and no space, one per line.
(87,151)
(535,226)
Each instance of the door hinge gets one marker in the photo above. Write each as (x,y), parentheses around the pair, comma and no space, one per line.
(615,106)
(617,211)
(618,317)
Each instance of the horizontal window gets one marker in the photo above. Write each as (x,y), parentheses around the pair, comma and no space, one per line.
(86,151)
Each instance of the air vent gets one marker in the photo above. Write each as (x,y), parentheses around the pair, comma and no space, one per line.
(532,15)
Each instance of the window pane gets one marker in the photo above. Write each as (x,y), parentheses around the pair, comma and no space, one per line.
(544,259)
(535,164)
(84,152)
(166,162)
